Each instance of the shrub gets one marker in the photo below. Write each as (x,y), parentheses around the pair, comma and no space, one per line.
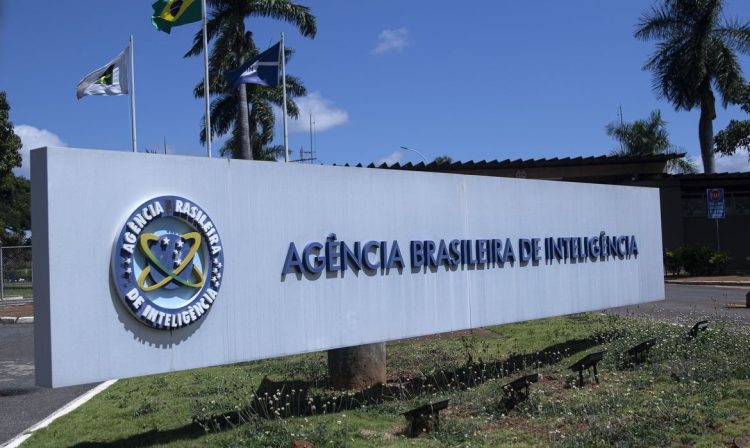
(719,261)
(695,260)
(673,261)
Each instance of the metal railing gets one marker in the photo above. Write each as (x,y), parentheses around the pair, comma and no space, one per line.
(16,274)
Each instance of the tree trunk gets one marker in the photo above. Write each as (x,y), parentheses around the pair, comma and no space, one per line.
(706,127)
(357,367)
(243,125)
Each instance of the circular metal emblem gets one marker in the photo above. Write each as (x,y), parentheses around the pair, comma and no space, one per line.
(168,263)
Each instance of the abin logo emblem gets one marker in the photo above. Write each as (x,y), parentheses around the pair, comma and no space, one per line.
(168,263)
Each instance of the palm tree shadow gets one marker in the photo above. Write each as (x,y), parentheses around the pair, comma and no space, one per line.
(286,399)
(153,437)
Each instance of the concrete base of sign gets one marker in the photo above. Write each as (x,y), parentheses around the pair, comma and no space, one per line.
(357,367)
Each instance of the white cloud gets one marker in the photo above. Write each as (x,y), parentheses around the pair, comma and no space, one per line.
(695,160)
(32,138)
(392,40)
(732,164)
(736,163)
(391,159)
(325,114)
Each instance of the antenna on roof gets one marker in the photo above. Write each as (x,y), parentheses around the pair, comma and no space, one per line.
(622,123)
(308,156)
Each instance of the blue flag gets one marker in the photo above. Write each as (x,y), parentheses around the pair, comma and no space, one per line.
(262,69)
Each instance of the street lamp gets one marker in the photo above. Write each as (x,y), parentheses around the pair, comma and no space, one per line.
(420,154)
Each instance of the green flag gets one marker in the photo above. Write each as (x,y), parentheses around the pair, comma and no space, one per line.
(169,13)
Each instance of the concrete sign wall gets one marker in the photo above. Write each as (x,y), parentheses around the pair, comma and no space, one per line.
(148,263)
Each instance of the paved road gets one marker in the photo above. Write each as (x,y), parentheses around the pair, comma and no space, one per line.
(688,304)
(21,403)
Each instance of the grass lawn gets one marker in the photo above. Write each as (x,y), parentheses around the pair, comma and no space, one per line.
(688,392)
(17,289)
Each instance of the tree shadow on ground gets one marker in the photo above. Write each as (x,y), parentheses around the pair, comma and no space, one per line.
(152,437)
(284,399)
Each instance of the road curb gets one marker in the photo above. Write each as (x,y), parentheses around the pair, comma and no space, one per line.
(707,283)
(17,320)
(68,408)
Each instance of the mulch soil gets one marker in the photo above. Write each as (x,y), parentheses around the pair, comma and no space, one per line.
(26,309)
(480,332)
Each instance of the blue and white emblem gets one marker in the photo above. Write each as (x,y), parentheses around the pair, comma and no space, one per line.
(168,263)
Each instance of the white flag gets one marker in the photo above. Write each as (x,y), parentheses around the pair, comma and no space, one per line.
(112,79)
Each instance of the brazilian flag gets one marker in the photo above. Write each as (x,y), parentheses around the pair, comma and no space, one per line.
(169,13)
(107,78)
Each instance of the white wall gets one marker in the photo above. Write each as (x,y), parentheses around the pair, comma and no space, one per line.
(81,198)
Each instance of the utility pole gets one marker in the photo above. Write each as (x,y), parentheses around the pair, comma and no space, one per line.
(622,123)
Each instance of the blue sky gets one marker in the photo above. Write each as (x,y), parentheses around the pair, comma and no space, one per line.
(483,81)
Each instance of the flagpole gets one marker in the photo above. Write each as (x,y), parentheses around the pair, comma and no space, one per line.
(283,83)
(205,80)
(132,98)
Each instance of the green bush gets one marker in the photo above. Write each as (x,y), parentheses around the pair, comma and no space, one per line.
(695,260)
(673,261)
(719,261)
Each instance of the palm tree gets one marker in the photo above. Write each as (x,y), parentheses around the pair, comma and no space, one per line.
(256,127)
(648,137)
(252,131)
(695,54)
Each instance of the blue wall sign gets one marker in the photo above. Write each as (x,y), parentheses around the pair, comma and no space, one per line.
(333,256)
(715,203)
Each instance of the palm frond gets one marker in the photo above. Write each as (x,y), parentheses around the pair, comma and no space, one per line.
(641,137)
(223,112)
(736,34)
(683,165)
(271,153)
(661,23)
(232,46)
(285,10)
(728,73)
(212,27)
